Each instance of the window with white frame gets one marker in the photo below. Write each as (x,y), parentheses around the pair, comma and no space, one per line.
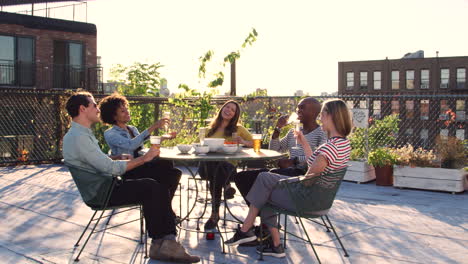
(410,79)
(349,80)
(444,78)
(461,78)
(377,80)
(424,79)
(395,80)
(363,80)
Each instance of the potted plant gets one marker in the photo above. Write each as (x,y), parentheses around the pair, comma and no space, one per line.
(383,160)
(364,140)
(419,169)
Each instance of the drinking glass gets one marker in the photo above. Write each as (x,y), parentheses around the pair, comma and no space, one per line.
(298,128)
(201,135)
(235,139)
(292,118)
(257,142)
(155,141)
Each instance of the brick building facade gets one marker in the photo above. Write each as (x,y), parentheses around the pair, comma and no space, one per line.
(45,53)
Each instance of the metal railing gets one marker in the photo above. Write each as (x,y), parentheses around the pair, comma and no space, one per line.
(50,76)
(33,122)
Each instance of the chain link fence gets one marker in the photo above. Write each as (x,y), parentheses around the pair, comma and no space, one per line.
(33,122)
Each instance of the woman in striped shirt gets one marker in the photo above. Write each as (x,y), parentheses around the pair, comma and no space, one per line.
(329,157)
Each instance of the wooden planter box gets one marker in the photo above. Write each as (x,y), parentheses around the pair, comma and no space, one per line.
(359,171)
(437,179)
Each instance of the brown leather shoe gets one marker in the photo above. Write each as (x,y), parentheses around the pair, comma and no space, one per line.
(173,251)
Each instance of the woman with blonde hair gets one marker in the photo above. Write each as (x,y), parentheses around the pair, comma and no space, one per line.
(330,157)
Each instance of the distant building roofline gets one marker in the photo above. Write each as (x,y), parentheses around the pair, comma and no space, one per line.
(36,22)
(25,2)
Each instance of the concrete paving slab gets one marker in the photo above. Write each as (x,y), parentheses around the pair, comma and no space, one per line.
(42,216)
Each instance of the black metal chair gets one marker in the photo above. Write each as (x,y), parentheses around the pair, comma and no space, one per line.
(101,205)
(310,195)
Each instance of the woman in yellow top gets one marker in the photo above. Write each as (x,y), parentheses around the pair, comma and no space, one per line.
(223,126)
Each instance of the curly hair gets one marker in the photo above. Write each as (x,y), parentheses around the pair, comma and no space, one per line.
(109,105)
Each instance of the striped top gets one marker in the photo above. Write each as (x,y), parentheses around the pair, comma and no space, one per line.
(315,138)
(336,150)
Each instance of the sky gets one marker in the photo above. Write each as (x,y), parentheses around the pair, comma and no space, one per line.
(299,45)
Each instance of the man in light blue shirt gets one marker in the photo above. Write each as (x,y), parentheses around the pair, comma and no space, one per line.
(81,149)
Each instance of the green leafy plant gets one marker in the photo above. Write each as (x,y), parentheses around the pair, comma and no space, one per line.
(381,133)
(381,157)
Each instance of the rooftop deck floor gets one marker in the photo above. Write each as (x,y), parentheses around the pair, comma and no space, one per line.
(42,216)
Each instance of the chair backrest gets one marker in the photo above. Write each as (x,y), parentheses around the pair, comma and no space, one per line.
(317,193)
(94,187)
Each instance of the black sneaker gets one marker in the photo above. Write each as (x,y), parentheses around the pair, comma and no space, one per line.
(266,237)
(269,250)
(241,237)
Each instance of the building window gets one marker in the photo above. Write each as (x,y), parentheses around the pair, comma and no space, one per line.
(461,78)
(395,107)
(460,113)
(410,79)
(409,132)
(17,61)
(425,79)
(444,134)
(444,110)
(444,78)
(424,133)
(409,105)
(349,80)
(424,109)
(377,108)
(69,68)
(395,80)
(363,80)
(377,80)
(363,104)
(460,134)
(350,104)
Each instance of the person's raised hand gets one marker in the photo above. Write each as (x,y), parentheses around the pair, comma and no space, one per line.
(300,137)
(152,153)
(282,121)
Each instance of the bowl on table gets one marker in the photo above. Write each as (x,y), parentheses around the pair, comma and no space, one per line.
(230,148)
(184,148)
(215,144)
(201,149)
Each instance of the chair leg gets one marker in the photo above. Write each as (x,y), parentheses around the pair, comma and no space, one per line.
(325,224)
(86,228)
(337,237)
(285,233)
(110,216)
(89,236)
(141,224)
(261,242)
(308,238)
